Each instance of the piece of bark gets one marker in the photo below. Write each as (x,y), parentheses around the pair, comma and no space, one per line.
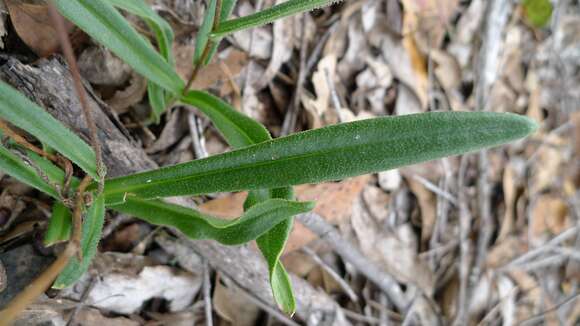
(49,84)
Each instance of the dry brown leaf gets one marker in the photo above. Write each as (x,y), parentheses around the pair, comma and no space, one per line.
(234,59)
(548,163)
(231,304)
(531,292)
(33,24)
(395,252)
(505,251)
(124,99)
(127,281)
(549,217)
(428,204)
(513,178)
(427,21)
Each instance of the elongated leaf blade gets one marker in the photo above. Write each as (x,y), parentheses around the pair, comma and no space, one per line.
(241,131)
(15,167)
(266,16)
(92,229)
(157,101)
(238,129)
(23,113)
(106,25)
(227,8)
(272,244)
(203,34)
(60,225)
(329,153)
(161,28)
(196,225)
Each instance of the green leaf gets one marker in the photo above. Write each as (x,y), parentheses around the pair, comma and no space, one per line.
(227,8)
(202,36)
(157,100)
(24,114)
(538,12)
(196,225)
(106,25)
(238,129)
(285,9)
(15,167)
(161,29)
(60,225)
(92,228)
(272,244)
(329,153)
(164,36)
(241,131)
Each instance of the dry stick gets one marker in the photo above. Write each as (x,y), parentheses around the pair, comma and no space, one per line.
(464,249)
(436,189)
(496,17)
(195,129)
(333,95)
(532,320)
(32,291)
(352,255)
(291,115)
(80,90)
(207,294)
(343,284)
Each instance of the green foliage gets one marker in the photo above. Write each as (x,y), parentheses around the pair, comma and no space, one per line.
(238,129)
(538,12)
(196,225)
(266,167)
(60,225)
(15,167)
(203,34)
(92,228)
(326,154)
(164,36)
(106,25)
(285,9)
(23,113)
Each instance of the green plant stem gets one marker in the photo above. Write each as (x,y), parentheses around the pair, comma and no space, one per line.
(206,51)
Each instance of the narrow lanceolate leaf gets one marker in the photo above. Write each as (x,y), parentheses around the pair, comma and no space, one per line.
(241,131)
(23,113)
(15,167)
(106,25)
(227,8)
(164,37)
(92,228)
(272,244)
(162,30)
(157,101)
(202,36)
(60,225)
(238,129)
(288,8)
(196,225)
(329,153)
